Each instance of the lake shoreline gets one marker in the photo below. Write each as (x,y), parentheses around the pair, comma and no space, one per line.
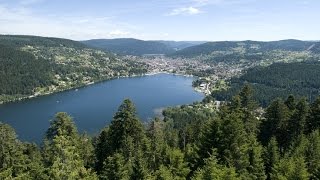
(95,82)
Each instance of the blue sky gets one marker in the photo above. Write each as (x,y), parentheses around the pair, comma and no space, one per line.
(207,20)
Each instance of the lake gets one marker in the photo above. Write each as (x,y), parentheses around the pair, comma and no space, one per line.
(92,107)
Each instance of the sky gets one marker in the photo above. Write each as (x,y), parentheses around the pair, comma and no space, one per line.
(180,20)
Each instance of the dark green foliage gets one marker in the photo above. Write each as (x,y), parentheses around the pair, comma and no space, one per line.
(13,162)
(313,121)
(20,41)
(276,124)
(63,154)
(312,155)
(271,155)
(62,125)
(212,170)
(115,167)
(21,72)
(291,103)
(186,122)
(130,46)
(125,136)
(174,164)
(256,168)
(298,120)
(278,80)
(290,168)
(125,130)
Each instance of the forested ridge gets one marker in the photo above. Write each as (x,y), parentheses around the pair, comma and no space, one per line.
(237,140)
(277,80)
(128,46)
(252,52)
(32,66)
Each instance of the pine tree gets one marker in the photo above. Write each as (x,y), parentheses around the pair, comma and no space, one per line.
(164,173)
(313,155)
(125,124)
(62,125)
(297,122)
(116,168)
(124,136)
(62,152)
(210,140)
(233,144)
(271,155)
(101,149)
(213,171)
(35,165)
(175,163)
(86,150)
(139,167)
(276,124)
(313,121)
(290,168)
(244,105)
(157,144)
(67,162)
(13,162)
(256,168)
(246,97)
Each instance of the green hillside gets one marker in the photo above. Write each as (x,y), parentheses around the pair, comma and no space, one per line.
(127,46)
(32,66)
(278,80)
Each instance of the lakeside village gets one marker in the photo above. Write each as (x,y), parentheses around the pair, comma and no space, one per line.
(211,76)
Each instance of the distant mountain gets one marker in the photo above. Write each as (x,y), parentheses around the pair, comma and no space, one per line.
(32,66)
(245,46)
(19,41)
(128,46)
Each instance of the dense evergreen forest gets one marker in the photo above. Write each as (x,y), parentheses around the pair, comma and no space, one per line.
(277,80)
(127,46)
(21,72)
(238,140)
(32,66)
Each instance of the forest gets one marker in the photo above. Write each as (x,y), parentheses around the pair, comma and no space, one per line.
(128,46)
(32,66)
(21,72)
(238,140)
(277,80)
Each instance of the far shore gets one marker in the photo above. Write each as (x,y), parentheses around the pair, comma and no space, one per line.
(94,82)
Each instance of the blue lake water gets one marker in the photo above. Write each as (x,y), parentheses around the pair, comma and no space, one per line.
(93,107)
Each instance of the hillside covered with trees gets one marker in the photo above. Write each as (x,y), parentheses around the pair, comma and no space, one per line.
(277,80)
(260,52)
(32,66)
(235,141)
(127,46)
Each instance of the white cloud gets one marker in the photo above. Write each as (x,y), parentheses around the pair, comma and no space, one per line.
(185,11)
(194,7)
(24,21)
